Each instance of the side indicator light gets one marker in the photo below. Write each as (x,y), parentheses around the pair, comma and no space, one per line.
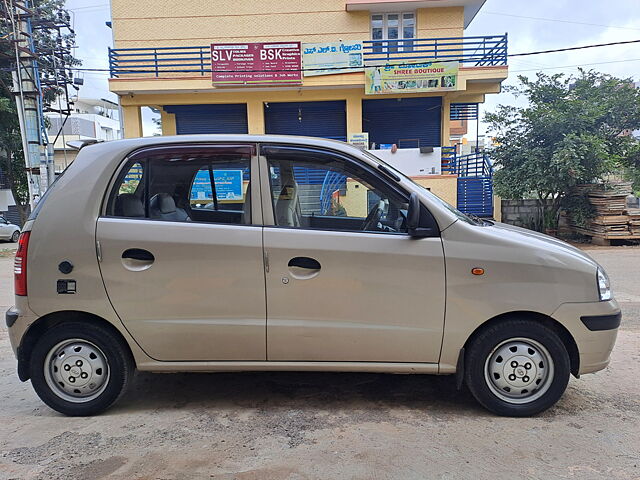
(477,271)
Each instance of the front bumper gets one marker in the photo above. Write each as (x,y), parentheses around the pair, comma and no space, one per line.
(594,327)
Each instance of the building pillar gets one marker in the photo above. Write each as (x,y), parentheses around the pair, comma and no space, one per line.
(255,117)
(132,121)
(354,114)
(446,121)
(168,123)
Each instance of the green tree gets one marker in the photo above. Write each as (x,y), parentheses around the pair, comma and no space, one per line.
(47,13)
(575,129)
(11,156)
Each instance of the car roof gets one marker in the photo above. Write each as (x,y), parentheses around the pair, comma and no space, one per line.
(127,145)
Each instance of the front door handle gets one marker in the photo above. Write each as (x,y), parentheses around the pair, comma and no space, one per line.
(137,259)
(305,262)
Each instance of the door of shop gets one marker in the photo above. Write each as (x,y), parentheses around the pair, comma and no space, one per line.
(312,119)
(407,122)
(214,118)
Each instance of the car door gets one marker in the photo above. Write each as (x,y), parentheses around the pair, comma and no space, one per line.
(4,229)
(180,246)
(345,282)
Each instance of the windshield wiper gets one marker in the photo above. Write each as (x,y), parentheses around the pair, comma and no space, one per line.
(476,219)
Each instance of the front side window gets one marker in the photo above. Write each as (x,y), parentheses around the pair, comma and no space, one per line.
(185,184)
(393,27)
(317,189)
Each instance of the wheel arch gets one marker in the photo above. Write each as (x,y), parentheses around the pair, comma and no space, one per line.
(550,322)
(50,320)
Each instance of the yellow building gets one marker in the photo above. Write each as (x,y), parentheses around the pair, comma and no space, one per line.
(390,69)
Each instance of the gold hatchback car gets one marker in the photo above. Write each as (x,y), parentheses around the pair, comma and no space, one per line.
(238,252)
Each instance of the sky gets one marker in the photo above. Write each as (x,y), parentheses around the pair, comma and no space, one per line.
(530,25)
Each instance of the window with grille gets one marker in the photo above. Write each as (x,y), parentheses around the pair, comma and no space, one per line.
(398,28)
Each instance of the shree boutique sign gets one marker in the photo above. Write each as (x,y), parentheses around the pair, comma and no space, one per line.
(256,63)
(404,78)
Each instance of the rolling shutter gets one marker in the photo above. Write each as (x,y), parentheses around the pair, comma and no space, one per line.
(312,119)
(217,118)
(407,122)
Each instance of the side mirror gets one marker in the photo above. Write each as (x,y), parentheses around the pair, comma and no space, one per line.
(413,219)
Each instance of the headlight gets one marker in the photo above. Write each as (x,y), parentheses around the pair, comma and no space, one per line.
(604,289)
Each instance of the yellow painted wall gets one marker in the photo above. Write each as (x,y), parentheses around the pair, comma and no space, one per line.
(440,22)
(63,158)
(444,186)
(132,120)
(150,23)
(497,208)
(355,199)
(168,123)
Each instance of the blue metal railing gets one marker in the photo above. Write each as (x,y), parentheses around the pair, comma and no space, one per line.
(155,61)
(448,157)
(464,111)
(475,164)
(471,51)
(332,181)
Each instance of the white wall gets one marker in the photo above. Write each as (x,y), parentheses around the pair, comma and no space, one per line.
(6,200)
(411,162)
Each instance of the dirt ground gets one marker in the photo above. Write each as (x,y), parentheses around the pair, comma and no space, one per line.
(329,426)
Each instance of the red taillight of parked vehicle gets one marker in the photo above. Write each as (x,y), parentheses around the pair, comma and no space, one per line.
(20,265)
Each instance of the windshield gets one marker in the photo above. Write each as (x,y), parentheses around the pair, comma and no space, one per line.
(452,209)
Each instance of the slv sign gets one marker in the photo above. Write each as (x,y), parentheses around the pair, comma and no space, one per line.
(255,63)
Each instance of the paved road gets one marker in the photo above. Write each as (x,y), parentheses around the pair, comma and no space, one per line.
(304,426)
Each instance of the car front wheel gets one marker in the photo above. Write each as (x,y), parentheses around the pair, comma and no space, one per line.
(79,369)
(517,368)
(15,236)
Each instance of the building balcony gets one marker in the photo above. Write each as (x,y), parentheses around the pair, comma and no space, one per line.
(189,62)
(469,51)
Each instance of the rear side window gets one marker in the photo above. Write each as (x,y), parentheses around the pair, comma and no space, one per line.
(208,184)
(132,179)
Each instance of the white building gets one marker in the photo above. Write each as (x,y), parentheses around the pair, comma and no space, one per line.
(90,119)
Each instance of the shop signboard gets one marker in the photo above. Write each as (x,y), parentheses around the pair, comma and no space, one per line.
(229,185)
(256,63)
(360,140)
(331,58)
(411,78)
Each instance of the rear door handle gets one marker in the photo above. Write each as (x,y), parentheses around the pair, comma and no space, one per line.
(138,254)
(137,259)
(305,262)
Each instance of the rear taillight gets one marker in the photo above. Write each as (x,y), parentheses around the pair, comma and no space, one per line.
(20,265)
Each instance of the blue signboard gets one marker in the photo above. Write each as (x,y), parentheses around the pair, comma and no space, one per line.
(228,185)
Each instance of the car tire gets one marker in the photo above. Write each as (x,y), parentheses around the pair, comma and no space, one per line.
(80,369)
(517,368)
(15,236)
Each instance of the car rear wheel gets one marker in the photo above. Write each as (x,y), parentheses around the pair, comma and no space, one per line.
(80,369)
(517,368)
(15,236)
